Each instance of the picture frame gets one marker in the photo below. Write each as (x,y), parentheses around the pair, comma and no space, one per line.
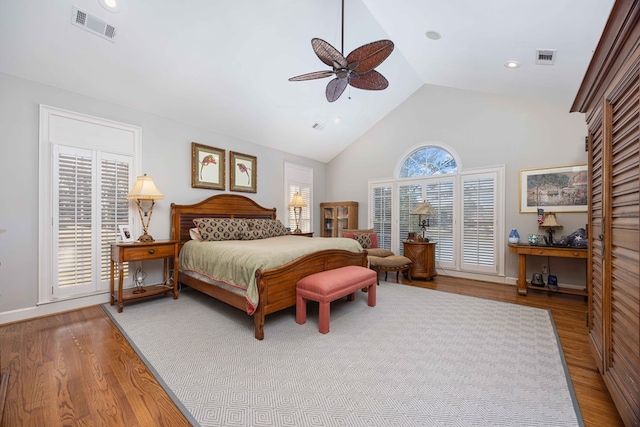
(207,167)
(243,172)
(554,189)
(126,235)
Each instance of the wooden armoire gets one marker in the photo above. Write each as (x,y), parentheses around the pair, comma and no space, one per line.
(610,98)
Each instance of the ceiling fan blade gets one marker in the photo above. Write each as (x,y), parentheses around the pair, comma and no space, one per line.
(335,89)
(312,76)
(327,53)
(369,56)
(371,80)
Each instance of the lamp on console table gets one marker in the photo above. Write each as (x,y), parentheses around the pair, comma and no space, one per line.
(145,193)
(550,224)
(427,210)
(297,203)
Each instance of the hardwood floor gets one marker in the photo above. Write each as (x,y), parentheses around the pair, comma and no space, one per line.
(76,368)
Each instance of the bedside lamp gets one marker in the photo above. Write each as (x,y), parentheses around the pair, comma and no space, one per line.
(550,224)
(145,193)
(297,203)
(427,210)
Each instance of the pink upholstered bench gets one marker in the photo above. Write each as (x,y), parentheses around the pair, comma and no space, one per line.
(330,285)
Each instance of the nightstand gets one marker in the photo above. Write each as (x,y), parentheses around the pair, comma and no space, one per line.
(423,256)
(138,251)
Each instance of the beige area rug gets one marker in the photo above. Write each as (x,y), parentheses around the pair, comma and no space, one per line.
(419,358)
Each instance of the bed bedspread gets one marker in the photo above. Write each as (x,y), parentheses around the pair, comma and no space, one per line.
(235,262)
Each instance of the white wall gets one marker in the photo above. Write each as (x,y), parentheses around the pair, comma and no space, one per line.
(166,147)
(485,130)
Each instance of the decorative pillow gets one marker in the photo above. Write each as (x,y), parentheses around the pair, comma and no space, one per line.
(263,228)
(367,240)
(379,252)
(217,229)
(194,233)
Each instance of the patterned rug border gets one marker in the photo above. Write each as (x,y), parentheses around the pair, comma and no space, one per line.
(190,418)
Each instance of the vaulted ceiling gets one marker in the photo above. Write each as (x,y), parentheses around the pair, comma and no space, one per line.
(223,65)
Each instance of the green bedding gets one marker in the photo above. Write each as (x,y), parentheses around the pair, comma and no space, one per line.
(235,262)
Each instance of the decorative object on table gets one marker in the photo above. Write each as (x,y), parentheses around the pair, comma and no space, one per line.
(297,203)
(244,172)
(550,225)
(145,193)
(411,237)
(138,279)
(207,167)
(514,237)
(536,280)
(357,69)
(552,282)
(423,209)
(533,239)
(558,189)
(577,239)
(125,234)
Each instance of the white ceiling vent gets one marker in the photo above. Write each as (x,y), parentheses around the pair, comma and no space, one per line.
(93,24)
(317,126)
(545,56)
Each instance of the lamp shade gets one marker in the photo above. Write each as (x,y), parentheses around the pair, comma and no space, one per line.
(423,208)
(145,189)
(297,201)
(550,221)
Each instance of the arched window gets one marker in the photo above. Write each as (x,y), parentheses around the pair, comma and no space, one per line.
(427,161)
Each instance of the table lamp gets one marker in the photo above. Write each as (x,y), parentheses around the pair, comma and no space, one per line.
(427,210)
(145,193)
(550,224)
(297,203)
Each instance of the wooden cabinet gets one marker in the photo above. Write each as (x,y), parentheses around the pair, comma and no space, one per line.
(139,251)
(423,257)
(610,97)
(336,216)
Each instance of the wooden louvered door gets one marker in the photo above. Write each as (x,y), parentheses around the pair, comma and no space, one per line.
(614,207)
(622,246)
(596,240)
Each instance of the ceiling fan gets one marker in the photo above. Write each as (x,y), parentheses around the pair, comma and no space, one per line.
(357,69)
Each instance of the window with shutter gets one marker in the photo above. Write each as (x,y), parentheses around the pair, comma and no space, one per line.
(299,179)
(381,202)
(87,167)
(469,219)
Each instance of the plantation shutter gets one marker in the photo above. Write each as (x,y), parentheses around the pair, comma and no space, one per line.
(73,221)
(440,194)
(479,218)
(89,204)
(409,195)
(381,203)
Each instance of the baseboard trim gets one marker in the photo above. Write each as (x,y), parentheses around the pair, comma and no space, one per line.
(52,308)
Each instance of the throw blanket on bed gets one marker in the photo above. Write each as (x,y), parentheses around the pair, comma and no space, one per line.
(235,262)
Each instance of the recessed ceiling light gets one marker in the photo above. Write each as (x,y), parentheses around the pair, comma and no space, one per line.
(512,64)
(111,5)
(337,120)
(433,35)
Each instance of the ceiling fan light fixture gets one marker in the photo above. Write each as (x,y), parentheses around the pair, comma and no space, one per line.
(357,69)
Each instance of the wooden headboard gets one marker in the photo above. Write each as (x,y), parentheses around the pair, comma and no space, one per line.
(218,206)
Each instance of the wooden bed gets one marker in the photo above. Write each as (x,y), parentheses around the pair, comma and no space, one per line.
(276,287)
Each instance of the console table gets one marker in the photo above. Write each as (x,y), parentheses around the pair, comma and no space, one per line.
(548,251)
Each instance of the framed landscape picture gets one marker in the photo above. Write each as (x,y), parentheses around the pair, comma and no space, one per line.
(555,189)
(244,172)
(207,167)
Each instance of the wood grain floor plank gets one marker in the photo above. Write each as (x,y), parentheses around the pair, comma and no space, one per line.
(76,368)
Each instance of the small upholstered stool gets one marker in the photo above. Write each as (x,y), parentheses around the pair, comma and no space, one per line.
(392,263)
(330,285)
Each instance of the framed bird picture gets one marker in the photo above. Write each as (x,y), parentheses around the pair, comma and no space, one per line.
(207,167)
(244,172)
